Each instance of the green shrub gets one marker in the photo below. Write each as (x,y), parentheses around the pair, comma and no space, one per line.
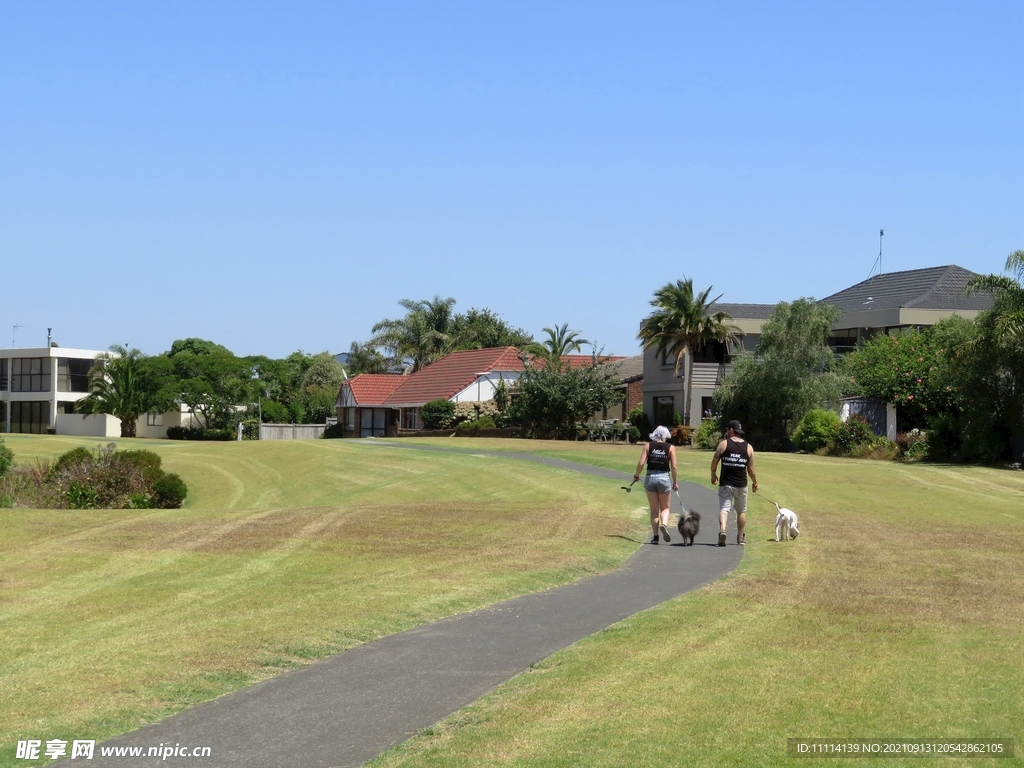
(816,429)
(709,434)
(634,434)
(198,433)
(850,435)
(916,451)
(333,432)
(676,419)
(639,419)
(484,422)
(879,449)
(81,496)
(71,458)
(6,458)
(140,501)
(169,491)
(438,414)
(147,461)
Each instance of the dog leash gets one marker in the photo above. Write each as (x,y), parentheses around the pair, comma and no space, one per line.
(685,512)
(630,488)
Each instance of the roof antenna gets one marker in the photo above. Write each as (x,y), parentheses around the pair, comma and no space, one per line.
(878,261)
(14,332)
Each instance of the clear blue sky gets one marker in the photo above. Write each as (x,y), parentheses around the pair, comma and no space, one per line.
(277,176)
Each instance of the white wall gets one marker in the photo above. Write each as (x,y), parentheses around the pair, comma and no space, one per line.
(79,425)
(483,388)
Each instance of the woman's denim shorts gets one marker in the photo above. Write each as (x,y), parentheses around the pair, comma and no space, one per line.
(658,482)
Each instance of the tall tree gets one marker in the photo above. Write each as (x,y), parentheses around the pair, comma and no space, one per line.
(681,324)
(118,386)
(560,342)
(364,358)
(1007,315)
(997,354)
(483,329)
(788,374)
(422,336)
(554,402)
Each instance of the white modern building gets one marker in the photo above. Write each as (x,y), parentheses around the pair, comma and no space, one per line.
(39,384)
(39,387)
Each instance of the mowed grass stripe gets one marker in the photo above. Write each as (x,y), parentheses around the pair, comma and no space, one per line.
(898,613)
(113,618)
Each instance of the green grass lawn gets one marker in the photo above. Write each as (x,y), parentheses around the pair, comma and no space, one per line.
(898,613)
(285,552)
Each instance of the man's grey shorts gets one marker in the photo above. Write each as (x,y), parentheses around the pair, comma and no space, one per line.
(658,482)
(731,497)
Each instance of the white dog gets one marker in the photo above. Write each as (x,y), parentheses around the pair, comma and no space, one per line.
(787,525)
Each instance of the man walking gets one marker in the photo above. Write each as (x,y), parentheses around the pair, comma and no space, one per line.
(737,457)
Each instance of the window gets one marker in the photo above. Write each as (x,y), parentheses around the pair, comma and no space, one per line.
(66,406)
(3,374)
(707,407)
(410,418)
(712,352)
(664,410)
(843,340)
(32,418)
(154,419)
(73,374)
(30,374)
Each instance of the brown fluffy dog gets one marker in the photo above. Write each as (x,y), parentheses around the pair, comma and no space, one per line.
(689,525)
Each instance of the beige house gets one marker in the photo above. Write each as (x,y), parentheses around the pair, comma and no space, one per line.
(885,303)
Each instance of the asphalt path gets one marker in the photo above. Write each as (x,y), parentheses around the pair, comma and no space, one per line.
(346,709)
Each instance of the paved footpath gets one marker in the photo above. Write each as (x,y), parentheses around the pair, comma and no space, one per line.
(347,709)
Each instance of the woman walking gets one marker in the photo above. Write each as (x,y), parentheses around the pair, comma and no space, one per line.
(660,457)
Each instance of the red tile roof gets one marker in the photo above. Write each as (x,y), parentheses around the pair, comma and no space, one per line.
(374,388)
(445,378)
(451,374)
(582,361)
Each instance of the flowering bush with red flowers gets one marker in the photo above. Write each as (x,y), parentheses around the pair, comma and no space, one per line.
(909,369)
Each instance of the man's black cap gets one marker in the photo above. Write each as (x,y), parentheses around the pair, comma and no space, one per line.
(735,426)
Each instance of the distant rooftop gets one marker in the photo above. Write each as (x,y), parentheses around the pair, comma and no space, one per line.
(743,311)
(931,288)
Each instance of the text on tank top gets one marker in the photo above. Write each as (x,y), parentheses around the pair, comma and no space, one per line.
(657,457)
(734,463)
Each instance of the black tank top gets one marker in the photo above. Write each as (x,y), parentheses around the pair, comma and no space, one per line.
(734,463)
(657,457)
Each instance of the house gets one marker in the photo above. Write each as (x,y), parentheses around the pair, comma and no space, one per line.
(885,303)
(375,405)
(41,384)
(379,405)
(39,387)
(630,372)
(664,392)
(360,405)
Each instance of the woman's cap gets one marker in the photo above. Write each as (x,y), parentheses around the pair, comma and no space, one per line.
(661,434)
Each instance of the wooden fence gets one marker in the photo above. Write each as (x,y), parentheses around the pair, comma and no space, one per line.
(291,431)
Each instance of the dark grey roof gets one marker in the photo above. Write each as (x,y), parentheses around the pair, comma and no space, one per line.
(932,288)
(630,367)
(744,311)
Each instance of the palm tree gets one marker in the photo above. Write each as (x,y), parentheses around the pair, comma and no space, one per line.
(560,342)
(117,386)
(422,336)
(681,324)
(1007,318)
